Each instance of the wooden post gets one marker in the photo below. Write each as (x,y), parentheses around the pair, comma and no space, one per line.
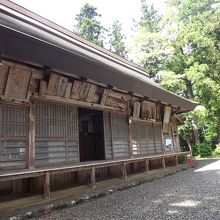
(177,162)
(163,163)
(112,140)
(31,138)
(93,176)
(47,185)
(8,83)
(162,139)
(104,130)
(147,165)
(173,138)
(124,171)
(130,138)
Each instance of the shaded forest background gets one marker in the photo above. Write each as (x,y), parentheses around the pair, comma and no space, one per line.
(180,50)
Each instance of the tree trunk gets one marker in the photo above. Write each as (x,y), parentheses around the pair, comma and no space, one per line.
(189,144)
(195,127)
(195,130)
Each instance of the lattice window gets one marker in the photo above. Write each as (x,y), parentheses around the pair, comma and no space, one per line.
(120,135)
(158,138)
(13,135)
(146,138)
(108,135)
(56,133)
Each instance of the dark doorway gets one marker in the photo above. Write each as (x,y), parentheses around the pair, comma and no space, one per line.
(91,135)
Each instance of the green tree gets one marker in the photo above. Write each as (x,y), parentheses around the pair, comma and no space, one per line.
(88,25)
(184,49)
(149,47)
(116,39)
(150,18)
(194,30)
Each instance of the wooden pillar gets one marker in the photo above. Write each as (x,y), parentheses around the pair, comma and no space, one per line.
(130,130)
(47,185)
(147,165)
(176,158)
(31,138)
(163,163)
(162,139)
(93,176)
(112,141)
(124,171)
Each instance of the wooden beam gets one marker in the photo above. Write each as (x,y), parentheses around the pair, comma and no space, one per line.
(136,110)
(124,171)
(18,82)
(147,165)
(75,93)
(3,78)
(8,83)
(53,84)
(91,93)
(93,176)
(47,185)
(20,174)
(68,90)
(61,87)
(76,102)
(104,96)
(177,161)
(43,88)
(163,163)
(119,95)
(117,103)
(158,112)
(84,90)
(166,118)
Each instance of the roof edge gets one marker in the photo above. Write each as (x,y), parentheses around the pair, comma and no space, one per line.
(57,27)
(107,54)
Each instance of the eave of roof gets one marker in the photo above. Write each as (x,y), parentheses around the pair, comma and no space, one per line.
(37,30)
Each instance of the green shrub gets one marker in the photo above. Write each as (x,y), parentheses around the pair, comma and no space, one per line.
(204,149)
(216,152)
(195,150)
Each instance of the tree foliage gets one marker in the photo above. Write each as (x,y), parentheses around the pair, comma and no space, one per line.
(194,26)
(116,39)
(184,50)
(149,43)
(88,25)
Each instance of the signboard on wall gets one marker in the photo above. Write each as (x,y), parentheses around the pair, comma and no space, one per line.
(166,118)
(168,144)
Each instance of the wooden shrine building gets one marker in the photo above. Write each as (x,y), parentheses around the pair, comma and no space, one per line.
(71,111)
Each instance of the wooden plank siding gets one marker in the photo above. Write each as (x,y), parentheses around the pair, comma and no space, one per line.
(39,131)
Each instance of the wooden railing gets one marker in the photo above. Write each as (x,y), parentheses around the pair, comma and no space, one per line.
(92,166)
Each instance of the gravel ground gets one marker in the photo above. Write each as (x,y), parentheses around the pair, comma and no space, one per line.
(191,194)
